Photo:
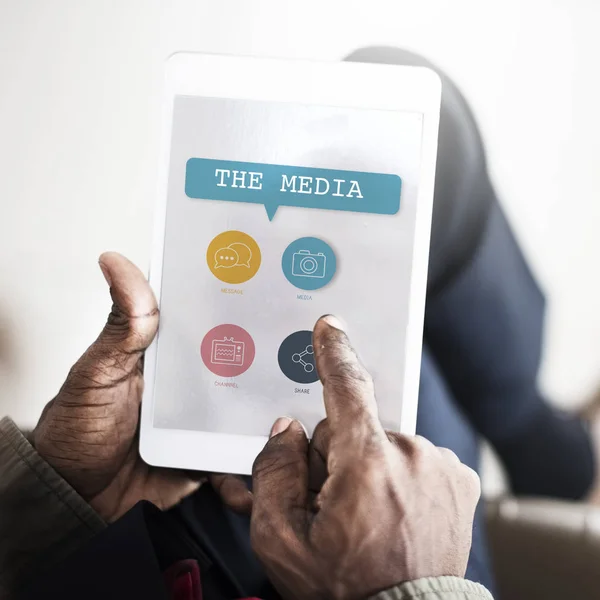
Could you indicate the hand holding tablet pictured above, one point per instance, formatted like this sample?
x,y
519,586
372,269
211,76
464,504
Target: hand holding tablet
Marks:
x,y
357,510
283,198
88,432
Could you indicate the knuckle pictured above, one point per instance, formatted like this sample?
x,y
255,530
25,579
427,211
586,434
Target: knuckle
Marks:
x,y
410,446
359,443
448,455
275,460
264,463
117,325
423,444
370,441
129,334
349,378
472,481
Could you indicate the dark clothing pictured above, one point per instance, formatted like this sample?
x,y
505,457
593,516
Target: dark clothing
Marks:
x,y
134,553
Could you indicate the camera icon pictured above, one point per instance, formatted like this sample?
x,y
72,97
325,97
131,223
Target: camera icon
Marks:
x,y
306,264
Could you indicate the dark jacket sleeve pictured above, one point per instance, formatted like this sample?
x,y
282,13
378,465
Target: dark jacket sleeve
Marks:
x,y
42,518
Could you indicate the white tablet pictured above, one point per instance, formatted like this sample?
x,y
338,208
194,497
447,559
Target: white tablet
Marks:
x,y
288,190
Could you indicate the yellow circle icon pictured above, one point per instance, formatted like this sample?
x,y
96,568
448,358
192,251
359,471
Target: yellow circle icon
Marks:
x,y
233,257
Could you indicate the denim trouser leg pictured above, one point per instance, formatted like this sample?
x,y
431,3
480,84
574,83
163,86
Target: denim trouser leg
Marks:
x,y
485,330
485,312
442,422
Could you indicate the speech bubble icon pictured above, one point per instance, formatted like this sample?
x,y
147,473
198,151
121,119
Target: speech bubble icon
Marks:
x,y
233,257
285,185
244,254
226,258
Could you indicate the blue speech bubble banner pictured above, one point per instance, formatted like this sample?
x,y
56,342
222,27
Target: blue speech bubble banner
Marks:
x,y
284,185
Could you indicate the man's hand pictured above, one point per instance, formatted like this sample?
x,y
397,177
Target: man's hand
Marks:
x,y
88,433
392,508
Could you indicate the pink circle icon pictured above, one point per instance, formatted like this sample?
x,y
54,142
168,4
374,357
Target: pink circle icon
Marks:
x,y
227,350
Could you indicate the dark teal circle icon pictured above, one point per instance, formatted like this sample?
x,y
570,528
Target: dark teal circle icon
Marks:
x,y
309,263
296,357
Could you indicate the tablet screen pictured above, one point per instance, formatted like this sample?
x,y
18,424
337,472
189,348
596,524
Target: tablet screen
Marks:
x,y
278,213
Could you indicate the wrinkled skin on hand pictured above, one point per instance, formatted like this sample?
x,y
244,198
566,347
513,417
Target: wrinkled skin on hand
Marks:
x,y
89,432
358,510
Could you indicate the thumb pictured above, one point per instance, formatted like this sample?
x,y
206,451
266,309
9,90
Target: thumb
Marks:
x,y
129,330
280,481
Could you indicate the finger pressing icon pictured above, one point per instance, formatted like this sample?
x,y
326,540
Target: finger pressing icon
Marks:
x,y
347,386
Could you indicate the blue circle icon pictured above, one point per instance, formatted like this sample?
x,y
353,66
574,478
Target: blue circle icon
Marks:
x,y
296,357
309,263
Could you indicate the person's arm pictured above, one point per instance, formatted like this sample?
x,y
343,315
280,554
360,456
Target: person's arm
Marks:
x,y
42,518
82,468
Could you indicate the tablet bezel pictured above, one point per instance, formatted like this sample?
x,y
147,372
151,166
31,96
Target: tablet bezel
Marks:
x,y
340,84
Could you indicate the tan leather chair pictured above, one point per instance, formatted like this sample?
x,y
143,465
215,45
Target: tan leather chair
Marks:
x,y
545,549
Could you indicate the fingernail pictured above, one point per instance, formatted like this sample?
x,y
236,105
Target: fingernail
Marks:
x,y
333,321
106,274
280,426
